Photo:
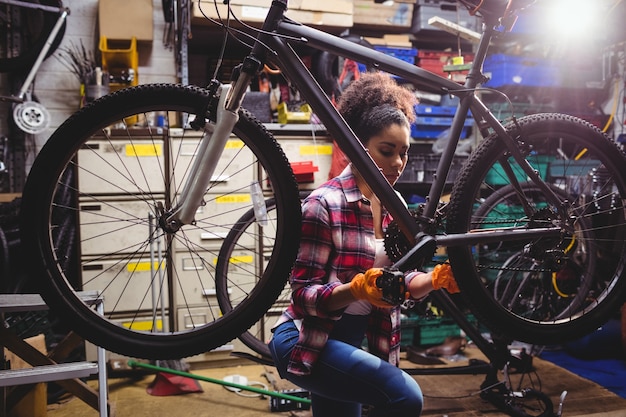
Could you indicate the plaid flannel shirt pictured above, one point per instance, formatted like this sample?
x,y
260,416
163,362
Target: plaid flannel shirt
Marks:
x,y
337,236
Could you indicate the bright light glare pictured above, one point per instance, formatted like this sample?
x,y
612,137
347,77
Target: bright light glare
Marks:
x,y
573,18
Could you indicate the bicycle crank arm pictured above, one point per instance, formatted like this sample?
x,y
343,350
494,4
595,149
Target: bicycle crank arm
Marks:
x,y
414,259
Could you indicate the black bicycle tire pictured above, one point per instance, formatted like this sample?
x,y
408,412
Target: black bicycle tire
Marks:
x,y
26,58
490,313
231,242
5,263
223,296
60,294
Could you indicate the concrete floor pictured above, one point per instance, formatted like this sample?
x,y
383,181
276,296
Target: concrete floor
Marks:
x,y
451,395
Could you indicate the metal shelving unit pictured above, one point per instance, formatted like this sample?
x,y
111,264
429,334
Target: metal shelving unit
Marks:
x,y
45,369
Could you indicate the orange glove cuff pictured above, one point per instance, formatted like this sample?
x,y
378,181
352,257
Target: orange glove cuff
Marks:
x,y
442,277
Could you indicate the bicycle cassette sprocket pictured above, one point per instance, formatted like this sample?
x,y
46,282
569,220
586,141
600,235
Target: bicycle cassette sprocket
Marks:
x,y
31,117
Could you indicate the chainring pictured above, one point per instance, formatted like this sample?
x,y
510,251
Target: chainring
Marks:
x,y
396,244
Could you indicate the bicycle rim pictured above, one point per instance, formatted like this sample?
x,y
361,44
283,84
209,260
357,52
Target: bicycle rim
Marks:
x,y
242,254
94,206
547,290
249,237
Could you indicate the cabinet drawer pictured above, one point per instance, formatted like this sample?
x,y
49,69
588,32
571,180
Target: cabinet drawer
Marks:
x,y
196,273
124,223
305,149
118,166
215,219
234,171
117,277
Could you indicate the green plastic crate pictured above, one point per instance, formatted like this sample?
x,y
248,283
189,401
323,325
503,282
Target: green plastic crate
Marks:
x,y
408,326
561,168
433,331
496,175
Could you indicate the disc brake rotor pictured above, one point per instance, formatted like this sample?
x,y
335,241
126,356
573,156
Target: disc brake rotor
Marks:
x,y
31,117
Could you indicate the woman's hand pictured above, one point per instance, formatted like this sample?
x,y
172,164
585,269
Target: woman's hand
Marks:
x,y
363,287
443,278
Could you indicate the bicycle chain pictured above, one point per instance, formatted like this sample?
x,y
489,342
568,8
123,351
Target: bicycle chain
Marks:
x,y
481,267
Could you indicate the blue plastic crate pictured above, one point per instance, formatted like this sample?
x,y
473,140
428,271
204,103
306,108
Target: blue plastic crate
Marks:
x,y
506,70
433,131
430,127
440,121
405,54
428,110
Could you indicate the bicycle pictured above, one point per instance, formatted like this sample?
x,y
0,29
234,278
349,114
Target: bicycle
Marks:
x,y
248,234
151,251
32,32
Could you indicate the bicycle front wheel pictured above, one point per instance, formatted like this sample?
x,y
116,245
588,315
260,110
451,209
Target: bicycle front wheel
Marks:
x,y
94,210
545,290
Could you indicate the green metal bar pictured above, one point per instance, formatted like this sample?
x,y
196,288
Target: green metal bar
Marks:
x,y
132,363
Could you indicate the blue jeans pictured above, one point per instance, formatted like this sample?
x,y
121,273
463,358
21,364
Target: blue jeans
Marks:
x,y
345,376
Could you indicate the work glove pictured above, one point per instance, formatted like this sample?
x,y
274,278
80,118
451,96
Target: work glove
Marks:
x,y
443,278
363,287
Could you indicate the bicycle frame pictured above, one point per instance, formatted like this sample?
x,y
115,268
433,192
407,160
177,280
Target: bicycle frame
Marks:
x,y
274,45
64,12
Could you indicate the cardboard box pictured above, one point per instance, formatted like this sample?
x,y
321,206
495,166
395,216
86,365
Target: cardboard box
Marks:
x,y
396,17
321,13
33,404
327,6
123,19
401,40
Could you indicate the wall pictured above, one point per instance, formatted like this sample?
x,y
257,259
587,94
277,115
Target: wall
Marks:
x,y
58,89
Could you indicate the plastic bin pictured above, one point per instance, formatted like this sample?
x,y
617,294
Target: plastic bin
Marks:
x,y
405,54
434,61
561,168
433,331
497,176
430,127
504,111
119,58
507,70
428,110
421,169
297,113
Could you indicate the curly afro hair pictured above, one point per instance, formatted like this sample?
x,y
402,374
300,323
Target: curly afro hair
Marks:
x,y
374,89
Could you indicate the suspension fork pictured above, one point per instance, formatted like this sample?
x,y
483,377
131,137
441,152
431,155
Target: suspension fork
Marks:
x,y
215,137
209,152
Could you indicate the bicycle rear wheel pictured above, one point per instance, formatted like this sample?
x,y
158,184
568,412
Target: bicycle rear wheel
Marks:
x,y
25,32
548,290
94,208
517,285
